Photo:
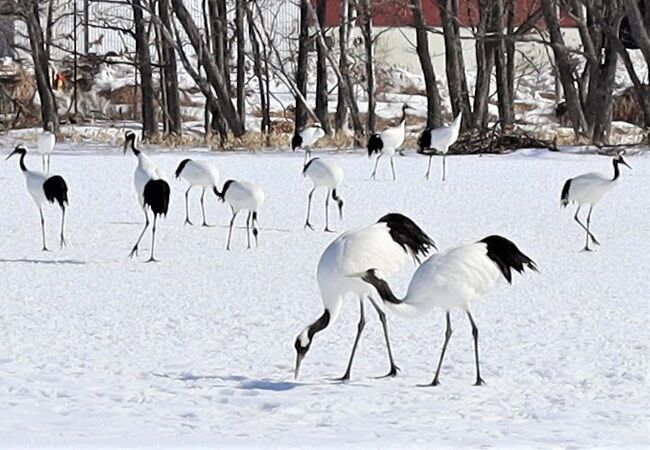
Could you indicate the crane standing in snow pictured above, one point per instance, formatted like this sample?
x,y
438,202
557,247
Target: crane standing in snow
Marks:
x,y
387,142
46,141
327,174
197,173
242,196
388,245
306,139
152,190
588,189
44,188
454,279
440,139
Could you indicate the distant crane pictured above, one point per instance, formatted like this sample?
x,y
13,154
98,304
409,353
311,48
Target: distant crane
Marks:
x,y
387,142
327,174
389,244
588,189
152,190
242,196
454,279
440,139
307,138
44,188
46,141
197,173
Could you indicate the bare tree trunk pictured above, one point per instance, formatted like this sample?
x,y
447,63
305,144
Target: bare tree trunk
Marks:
x,y
241,54
365,12
257,68
143,61
563,67
173,118
321,74
454,61
214,75
301,68
31,15
506,108
344,37
484,66
434,116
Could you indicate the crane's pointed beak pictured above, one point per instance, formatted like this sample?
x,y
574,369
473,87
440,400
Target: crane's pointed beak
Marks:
x,y
625,164
10,155
296,371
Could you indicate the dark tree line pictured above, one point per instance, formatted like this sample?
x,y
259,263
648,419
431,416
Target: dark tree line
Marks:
x,y
218,50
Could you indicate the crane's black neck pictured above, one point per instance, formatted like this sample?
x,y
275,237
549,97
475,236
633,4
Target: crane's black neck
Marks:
x,y
321,323
135,151
23,167
403,117
617,172
382,287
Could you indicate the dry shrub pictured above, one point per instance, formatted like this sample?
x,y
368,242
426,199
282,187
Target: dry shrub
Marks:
x,y
626,108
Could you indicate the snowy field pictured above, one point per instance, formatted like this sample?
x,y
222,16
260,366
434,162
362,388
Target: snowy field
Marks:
x,y
97,350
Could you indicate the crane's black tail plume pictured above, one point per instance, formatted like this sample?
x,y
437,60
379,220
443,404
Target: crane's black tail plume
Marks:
x,y
56,190
564,198
375,144
507,256
156,196
408,235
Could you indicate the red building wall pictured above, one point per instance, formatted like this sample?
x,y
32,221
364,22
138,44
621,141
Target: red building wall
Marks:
x,y
395,13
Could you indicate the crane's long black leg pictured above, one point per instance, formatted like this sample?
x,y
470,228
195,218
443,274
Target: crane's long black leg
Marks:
x,y
444,167
40,211
187,207
248,230
49,157
584,227
373,175
205,222
392,167
307,224
153,239
44,158
593,238
429,167
134,250
256,231
360,326
327,212
63,242
479,380
448,332
232,222
382,318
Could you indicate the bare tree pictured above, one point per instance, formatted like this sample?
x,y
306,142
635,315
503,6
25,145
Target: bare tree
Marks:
x,y
143,62
301,67
321,74
241,58
173,121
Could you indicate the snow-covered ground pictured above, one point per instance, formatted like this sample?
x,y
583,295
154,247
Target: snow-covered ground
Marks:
x,y
98,350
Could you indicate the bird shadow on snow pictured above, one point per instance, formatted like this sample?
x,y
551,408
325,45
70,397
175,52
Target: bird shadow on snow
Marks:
x,y
75,262
243,382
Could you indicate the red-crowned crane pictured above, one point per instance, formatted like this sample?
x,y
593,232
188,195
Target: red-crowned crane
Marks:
x,y
387,142
46,141
388,244
440,139
307,138
242,196
197,173
588,189
328,174
152,190
454,279
44,188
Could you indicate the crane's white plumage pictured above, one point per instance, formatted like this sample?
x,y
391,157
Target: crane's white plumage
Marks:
x,y
389,245
387,142
307,138
44,188
440,139
197,173
328,174
46,141
454,279
152,189
242,196
588,189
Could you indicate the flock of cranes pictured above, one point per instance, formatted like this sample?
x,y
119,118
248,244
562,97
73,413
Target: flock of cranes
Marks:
x,y
357,261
